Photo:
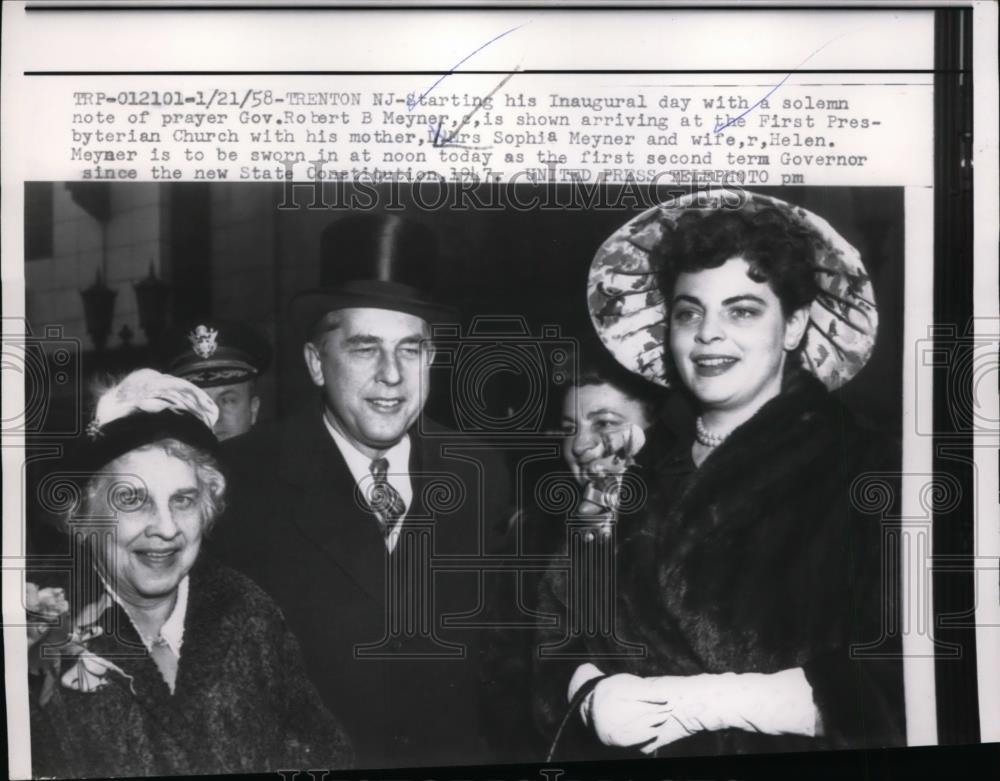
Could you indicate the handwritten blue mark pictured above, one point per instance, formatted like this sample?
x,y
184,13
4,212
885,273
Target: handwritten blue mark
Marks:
x,y
723,125
433,131
413,103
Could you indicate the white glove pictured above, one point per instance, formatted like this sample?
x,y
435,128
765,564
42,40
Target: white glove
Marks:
x,y
626,710
581,675
772,704
622,719
623,711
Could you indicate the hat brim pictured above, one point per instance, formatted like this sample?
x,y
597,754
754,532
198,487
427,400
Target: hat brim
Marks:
x,y
122,435
214,375
309,306
628,309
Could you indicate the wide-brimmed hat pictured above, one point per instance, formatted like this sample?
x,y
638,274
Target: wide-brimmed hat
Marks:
x,y
210,353
629,310
378,261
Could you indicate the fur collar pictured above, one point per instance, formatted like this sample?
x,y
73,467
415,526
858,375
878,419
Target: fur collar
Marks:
x,y
752,552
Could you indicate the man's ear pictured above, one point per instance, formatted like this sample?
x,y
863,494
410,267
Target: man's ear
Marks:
x,y
795,327
314,364
254,409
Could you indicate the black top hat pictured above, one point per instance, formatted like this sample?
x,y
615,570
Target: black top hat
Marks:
x,y
378,261
215,352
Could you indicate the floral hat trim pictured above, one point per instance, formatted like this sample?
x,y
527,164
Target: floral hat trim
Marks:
x,y
629,311
146,406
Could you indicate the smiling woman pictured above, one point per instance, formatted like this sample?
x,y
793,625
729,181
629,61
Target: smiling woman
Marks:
x,y
160,523
153,664
751,576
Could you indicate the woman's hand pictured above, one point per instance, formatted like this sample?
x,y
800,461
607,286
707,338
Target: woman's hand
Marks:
x,y
651,712
623,710
773,704
600,468
627,710
613,454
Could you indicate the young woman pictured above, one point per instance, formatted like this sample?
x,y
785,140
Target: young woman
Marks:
x,y
752,576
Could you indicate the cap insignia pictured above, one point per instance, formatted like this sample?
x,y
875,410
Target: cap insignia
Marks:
x,y
203,341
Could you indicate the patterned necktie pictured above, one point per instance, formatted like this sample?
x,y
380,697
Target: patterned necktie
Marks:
x,y
384,500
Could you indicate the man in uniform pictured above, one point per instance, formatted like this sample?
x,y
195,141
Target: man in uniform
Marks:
x,y
339,510
225,359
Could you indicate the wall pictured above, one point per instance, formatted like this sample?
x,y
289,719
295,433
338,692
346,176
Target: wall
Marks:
x,y
134,240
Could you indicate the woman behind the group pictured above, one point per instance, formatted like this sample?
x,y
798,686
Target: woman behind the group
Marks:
x,y
158,661
602,416
751,576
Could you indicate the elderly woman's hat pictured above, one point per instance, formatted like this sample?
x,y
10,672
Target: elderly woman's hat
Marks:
x,y
628,308
146,407
378,261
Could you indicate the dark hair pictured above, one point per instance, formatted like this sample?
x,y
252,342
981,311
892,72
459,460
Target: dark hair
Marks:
x,y
778,251
597,367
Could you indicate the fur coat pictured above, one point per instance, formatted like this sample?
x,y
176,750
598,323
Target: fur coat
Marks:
x,y
242,703
766,557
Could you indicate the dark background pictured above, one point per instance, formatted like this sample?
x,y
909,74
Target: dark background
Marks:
x,y
229,251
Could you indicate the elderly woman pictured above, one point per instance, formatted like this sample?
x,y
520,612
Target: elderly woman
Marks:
x,y
159,661
751,576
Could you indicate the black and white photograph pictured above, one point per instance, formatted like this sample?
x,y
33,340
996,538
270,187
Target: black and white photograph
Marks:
x,y
375,470
569,452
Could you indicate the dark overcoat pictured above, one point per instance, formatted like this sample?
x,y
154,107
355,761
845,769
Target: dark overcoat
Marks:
x,y
777,552
241,704
391,641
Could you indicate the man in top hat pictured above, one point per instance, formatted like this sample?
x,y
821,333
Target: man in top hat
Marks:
x,y
225,360
337,510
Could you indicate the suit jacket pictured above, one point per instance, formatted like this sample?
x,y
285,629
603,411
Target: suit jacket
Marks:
x,y
378,631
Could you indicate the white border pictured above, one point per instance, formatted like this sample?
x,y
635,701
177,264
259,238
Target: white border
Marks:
x,y
987,308
916,537
43,41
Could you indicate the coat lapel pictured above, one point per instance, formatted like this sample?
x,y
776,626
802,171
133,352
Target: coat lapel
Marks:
x,y
326,508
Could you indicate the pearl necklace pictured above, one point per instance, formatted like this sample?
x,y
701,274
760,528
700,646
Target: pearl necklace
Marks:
x,y
706,437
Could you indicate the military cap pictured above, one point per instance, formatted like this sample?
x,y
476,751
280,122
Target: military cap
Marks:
x,y
215,352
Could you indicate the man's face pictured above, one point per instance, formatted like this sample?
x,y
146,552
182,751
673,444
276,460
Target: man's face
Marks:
x,y
238,406
374,369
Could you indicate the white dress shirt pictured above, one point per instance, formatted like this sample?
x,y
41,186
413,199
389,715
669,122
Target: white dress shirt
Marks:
x,y
397,475
172,631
